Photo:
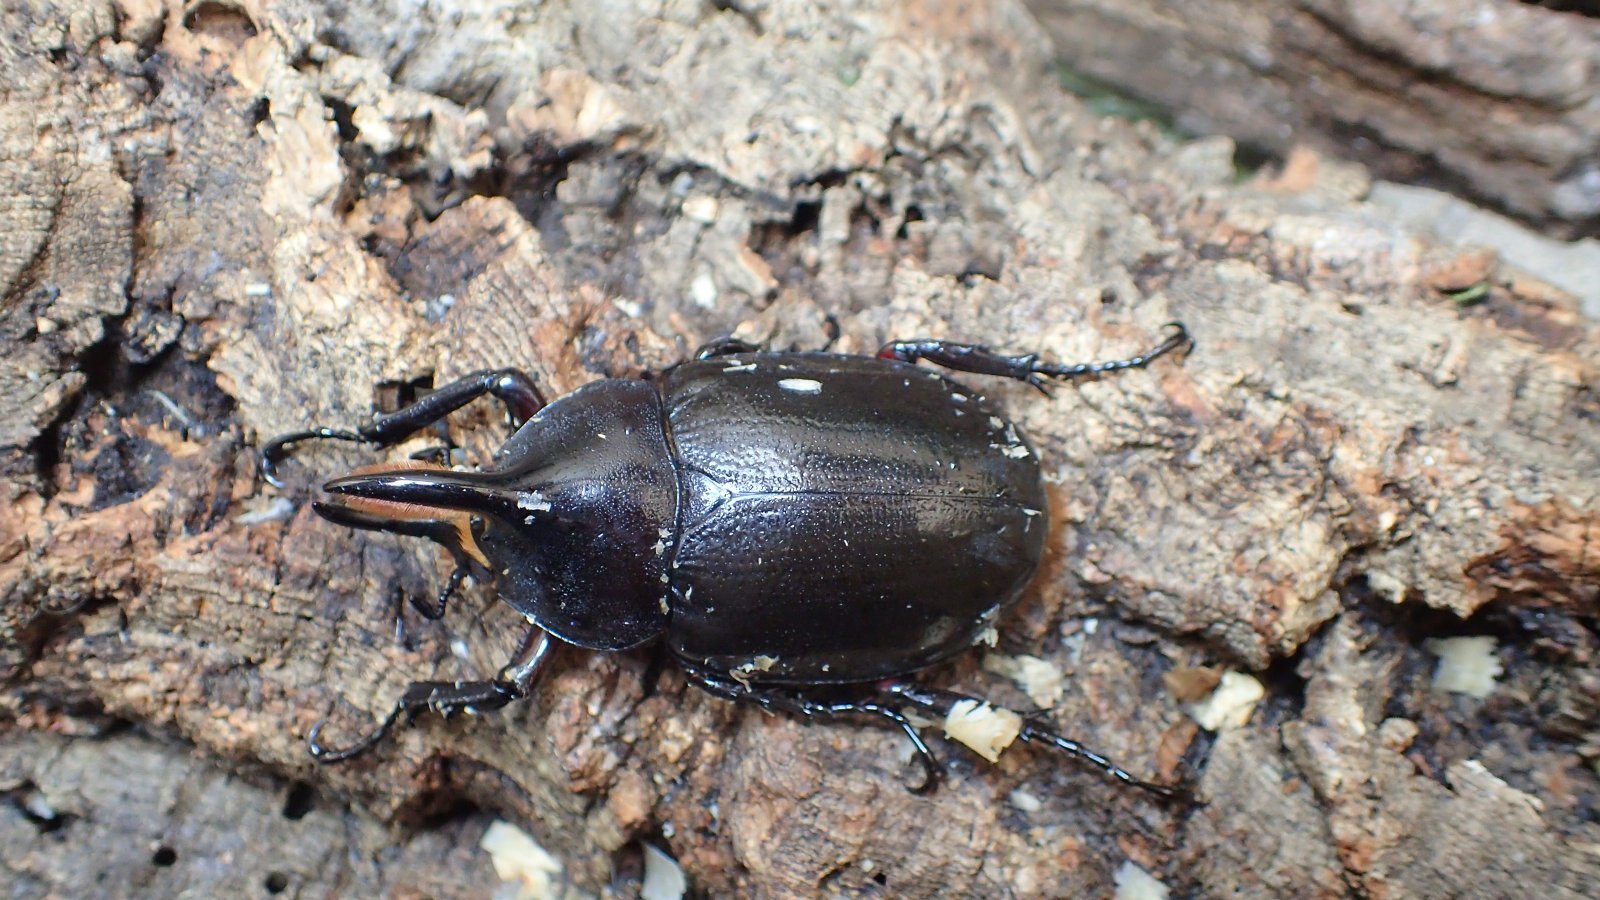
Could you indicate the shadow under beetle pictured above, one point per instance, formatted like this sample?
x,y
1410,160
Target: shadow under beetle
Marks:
x,y
793,525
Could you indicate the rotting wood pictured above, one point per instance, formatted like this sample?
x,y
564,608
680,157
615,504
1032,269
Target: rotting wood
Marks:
x,y
1494,100
263,226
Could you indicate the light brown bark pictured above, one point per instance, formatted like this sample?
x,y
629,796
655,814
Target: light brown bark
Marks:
x,y
1498,100
233,220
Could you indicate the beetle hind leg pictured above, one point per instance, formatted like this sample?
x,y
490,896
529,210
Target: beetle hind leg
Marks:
x,y
980,360
797,704
448,698
513,387
725,346
940,703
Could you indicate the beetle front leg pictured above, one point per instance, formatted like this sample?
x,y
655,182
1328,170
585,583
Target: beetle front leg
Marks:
x,y
940,703
448,698
445,532
513,387
981,360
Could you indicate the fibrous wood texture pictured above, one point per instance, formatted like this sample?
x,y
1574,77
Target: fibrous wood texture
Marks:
x,y
228,220
1499,100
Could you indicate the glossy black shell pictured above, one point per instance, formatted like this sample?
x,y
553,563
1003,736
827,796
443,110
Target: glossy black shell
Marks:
x,y
841,518
789,518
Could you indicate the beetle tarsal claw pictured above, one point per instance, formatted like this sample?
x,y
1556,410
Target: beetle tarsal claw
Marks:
x,y
932,774
277,449
1180,334
325,754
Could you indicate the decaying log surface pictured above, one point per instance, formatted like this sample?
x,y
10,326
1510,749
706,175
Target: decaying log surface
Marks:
x,y
122,815
230,219
1496,99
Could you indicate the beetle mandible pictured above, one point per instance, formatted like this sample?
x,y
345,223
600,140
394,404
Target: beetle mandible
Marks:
x,y
803,530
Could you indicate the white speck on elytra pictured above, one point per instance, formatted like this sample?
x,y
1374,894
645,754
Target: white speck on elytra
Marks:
x,y
996,423
801,385
533,501
959,398
747,367
1016,449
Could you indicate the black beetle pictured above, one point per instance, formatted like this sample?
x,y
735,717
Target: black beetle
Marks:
x,y
794,525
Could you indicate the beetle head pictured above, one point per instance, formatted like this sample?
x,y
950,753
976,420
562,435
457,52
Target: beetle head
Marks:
x,y
576,564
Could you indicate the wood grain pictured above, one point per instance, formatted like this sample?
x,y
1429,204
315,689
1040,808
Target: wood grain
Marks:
x,y
244,217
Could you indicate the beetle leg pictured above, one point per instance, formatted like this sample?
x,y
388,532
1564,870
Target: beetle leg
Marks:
x,y
830,325
520,395
941,702
447,698
440,455
436,611
932,769
981,360
777,700
445,532
725,346
274,451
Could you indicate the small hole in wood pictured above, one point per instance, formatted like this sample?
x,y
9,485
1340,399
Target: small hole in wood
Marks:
x,y
301,799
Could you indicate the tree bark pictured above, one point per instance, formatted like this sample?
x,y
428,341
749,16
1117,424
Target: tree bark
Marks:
x,y
236,219
1495,100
